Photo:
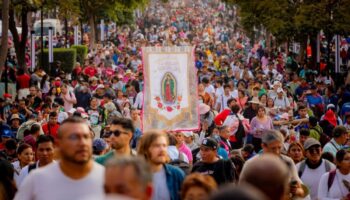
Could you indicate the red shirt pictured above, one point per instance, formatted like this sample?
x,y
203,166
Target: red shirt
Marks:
x,y
53,130
23,81
220,118
90,71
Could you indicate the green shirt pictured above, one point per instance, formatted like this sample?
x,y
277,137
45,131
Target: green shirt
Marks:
x,y
103,159
316,132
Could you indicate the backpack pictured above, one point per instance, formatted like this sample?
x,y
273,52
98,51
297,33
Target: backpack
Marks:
x,y
303,165
331,178
324,139
180,163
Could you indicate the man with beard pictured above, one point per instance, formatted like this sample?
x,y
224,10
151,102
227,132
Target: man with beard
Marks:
x,y
75,176
167,179
121,132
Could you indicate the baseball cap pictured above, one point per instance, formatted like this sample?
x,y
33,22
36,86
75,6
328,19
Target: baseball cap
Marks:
x,y
211,143
311,142
280,90
99,144
330,106
187,133
6,133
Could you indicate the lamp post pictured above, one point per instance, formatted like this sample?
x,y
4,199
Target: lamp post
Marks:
x,y
32,50
42,34
50,49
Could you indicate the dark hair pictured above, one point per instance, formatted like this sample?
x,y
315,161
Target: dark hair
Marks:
x,y
125,123
172,140
53,114
339,131
230,100
34,128
235,109
44,138
23,147
6,180
313,121
219,81
328,156
205,80
226,86
248,148
46,105
238,162
301,107
304,132
11,144
341,155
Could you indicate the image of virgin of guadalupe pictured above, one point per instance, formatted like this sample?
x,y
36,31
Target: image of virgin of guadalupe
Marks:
x,y
169,88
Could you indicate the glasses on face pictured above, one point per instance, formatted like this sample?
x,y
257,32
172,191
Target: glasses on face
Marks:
x,y
117,132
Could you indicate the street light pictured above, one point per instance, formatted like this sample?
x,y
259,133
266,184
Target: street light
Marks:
x,y
42,33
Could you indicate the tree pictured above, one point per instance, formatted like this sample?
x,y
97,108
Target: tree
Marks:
x,y
5,28
23,7
296,20
115,10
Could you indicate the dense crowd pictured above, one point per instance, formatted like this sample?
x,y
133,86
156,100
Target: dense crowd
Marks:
x,y
270,127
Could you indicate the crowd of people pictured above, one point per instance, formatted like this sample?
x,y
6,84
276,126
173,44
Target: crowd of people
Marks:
x,y
270,127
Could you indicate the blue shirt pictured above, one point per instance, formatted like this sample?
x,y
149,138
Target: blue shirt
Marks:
x,y
314,100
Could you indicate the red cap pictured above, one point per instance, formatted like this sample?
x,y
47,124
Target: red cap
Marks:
x,y
7,95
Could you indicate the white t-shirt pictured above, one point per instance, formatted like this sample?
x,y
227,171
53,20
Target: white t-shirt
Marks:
x,y
49,182
337,190
311,177
210,89
223,101
234,93
281,103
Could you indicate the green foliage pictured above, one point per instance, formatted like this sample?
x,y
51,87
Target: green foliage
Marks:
x,y
82,52
295,19
120,11
67,57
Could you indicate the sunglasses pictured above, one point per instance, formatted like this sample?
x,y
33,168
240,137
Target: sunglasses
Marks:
x,y
117,132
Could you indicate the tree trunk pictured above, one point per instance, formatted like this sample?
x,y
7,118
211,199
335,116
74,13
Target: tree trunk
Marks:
x,y
66,32
4,37
302,52
313,43
19,43
92,32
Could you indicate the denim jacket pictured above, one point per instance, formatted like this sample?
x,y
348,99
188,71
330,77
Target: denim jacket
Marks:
x,y
174,179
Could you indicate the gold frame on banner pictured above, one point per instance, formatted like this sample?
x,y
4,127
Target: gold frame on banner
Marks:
x,y
188,119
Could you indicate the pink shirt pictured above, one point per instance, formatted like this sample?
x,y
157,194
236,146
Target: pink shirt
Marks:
x,y
187,151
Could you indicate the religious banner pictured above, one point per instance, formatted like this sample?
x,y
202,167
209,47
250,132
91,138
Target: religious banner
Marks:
x,y
170,89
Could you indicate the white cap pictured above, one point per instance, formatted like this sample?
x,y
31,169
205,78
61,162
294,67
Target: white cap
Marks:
x,y
280,90
187,133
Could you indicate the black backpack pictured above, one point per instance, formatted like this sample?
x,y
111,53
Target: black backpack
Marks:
x,y
180,163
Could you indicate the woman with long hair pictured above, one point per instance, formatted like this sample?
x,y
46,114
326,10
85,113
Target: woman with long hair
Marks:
x,y
25,156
